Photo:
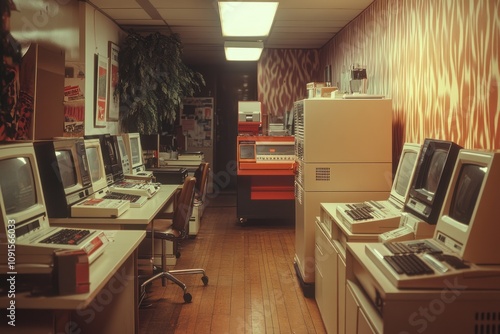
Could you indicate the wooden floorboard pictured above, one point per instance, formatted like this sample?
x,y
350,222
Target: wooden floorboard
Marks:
x,y
252,284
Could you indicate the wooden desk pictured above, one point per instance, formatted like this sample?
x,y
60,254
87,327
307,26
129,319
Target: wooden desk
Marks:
x,y
111,305
132,219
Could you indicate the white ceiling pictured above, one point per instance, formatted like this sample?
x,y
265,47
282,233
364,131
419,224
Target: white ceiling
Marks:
x,y
299,24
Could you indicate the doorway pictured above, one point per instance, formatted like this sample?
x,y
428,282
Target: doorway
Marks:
x,y
236,82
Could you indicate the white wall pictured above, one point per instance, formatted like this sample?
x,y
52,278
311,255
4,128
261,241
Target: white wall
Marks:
x,y
77,28
99,30
52,23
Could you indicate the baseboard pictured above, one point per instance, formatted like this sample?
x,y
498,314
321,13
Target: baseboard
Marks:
x,y
307,288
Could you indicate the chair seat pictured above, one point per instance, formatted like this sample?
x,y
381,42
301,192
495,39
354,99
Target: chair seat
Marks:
x,y
169,234
162,229
161,224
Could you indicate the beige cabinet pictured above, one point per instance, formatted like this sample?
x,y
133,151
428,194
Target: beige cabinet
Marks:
x,y
47,65
343,150
326,286
329,231
356,319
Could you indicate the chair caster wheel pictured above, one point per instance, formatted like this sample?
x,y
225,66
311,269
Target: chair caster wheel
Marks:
x,y
188,297
204,279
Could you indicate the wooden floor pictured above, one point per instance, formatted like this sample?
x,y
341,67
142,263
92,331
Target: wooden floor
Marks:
x,y
252,283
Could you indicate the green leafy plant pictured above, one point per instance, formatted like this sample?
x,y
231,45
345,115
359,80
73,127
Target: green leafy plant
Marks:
x,y
153,80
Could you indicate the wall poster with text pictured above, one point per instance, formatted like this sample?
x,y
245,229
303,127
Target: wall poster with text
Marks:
x,y
101,90
114,98
197,121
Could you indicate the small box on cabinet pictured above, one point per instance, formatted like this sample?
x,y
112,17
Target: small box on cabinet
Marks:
x,y
312,87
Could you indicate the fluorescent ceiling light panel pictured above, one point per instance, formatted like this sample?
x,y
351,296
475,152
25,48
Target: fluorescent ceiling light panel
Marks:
x,y
250,19
243,51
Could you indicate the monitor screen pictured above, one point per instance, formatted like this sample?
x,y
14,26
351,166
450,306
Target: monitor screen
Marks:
x,y
434,171
67,168
94,165
405,173
135,151
110,149
121,146
430,182
123,154
466,192
95,159
17,184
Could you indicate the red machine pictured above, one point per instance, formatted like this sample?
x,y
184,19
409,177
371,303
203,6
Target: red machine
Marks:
x,y
266,169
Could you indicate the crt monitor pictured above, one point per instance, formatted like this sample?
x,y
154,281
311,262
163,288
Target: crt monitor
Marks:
x,y
134,150
110,156
21,197
73,165
468,223
404,173
114,152
64,173
96,165
430,182
123,154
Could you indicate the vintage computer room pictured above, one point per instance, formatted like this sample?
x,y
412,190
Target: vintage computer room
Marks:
x,y
321,166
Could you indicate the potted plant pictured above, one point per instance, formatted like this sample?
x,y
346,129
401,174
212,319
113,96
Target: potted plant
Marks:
x,y
153,80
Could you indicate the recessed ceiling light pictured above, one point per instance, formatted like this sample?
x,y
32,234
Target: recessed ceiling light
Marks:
x,y
243,51
250,19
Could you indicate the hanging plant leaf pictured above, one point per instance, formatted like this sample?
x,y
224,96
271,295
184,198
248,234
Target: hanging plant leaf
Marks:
x,y
153,80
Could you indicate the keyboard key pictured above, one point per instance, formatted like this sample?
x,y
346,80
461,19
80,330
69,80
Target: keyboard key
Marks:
x,y
452,260
67,237
409,264
128,197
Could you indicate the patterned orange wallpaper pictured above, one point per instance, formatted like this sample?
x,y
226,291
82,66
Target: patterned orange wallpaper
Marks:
x,y
439,62
282,75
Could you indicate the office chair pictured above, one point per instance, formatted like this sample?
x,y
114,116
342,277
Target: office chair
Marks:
x,y
175,230
201,175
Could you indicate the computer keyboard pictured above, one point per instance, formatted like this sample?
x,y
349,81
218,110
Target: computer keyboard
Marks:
x,y
128,197
67,237
418,246
148,189
359,211
136,200
409,264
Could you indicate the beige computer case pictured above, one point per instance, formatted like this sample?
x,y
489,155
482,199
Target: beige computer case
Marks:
x,y
344,154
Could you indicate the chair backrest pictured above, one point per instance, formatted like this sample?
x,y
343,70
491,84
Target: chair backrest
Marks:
x,y
184,207
201,175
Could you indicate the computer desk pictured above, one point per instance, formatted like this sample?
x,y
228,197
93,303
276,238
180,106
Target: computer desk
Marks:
x,y
374,305
132,219
111,305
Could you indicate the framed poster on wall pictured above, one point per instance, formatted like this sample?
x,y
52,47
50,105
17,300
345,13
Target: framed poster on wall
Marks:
x,y
101,94
114,98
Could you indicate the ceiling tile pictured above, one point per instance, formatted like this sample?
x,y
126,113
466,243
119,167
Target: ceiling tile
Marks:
x,y
298,24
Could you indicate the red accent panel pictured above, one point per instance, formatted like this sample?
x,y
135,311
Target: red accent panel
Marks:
x,y
249,127
271,193
272,188
262,168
